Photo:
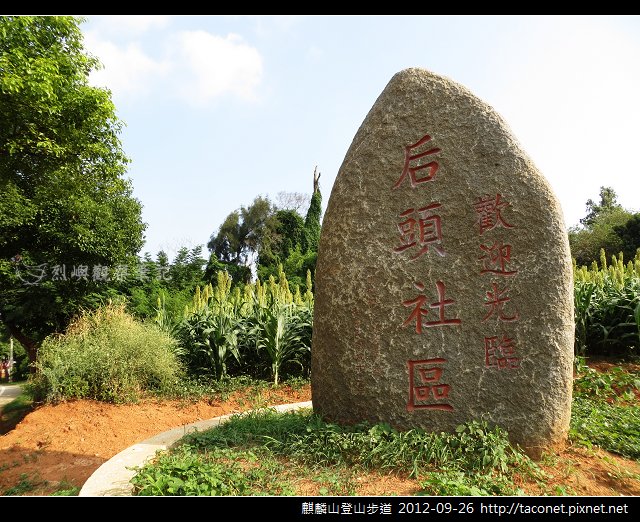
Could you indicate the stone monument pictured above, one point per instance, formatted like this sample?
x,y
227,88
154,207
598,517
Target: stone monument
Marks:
x,y
444,288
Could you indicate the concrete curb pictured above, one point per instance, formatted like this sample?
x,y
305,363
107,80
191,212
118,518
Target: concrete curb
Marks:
x,y
112,478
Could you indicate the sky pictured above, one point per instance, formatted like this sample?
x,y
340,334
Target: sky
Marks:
x,y
221,109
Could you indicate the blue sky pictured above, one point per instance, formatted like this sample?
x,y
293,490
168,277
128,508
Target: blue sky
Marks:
x,y
220,109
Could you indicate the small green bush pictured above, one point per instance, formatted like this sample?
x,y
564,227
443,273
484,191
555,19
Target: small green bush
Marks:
x,y
106,355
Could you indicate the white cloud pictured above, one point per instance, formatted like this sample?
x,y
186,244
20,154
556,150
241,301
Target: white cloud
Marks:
x,y
217,66
126,69
196,66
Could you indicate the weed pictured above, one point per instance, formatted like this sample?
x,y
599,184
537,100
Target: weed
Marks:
x,y
479,458
563,491
475,460
203,388
66,489
215,472
458,483
605,412
612,427
30,457
613,384
26,485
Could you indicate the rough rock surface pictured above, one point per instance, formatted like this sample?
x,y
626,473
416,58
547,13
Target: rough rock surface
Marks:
x,y
444,282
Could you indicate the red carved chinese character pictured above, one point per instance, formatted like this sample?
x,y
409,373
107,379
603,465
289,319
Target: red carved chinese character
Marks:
x,y
412,168
489,212
424,231
419,312
496,300
500,353
496,258
425,389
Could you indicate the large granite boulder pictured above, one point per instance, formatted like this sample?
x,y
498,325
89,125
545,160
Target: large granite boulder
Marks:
x,y
444,282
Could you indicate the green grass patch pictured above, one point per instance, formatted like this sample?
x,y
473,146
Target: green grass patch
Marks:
x,y
612,427
202,388
26,485
219,471
605,410
301,446
265,452
22,402
15,411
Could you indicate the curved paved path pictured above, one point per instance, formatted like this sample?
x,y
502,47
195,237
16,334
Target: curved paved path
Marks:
x,y
112,478
8,392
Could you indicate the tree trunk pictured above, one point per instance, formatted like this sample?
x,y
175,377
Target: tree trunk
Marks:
x,y
29,344
316,180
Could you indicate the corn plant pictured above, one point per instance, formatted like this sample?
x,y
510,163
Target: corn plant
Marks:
x,y
261,327
163,319
213,339
607,307
279,332
281,325
210,329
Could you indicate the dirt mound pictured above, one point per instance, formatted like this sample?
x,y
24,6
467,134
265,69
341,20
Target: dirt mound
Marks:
x,y
59,447
62,445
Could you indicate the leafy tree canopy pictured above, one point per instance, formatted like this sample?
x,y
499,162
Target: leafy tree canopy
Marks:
x,y
604,227
241,234
270,236
629,235
63,197
608,203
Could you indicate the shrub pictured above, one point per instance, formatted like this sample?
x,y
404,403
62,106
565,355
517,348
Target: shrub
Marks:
x,y
106,355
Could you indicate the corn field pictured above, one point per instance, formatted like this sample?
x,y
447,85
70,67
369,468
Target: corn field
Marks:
x,y
263,330
607,307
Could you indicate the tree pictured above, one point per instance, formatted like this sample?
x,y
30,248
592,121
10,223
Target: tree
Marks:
x,y
186,271
270,237
293,243
314,214
284,247
63,198
608,203
239,273
599,229
285,234
240,237
293,201
629,235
